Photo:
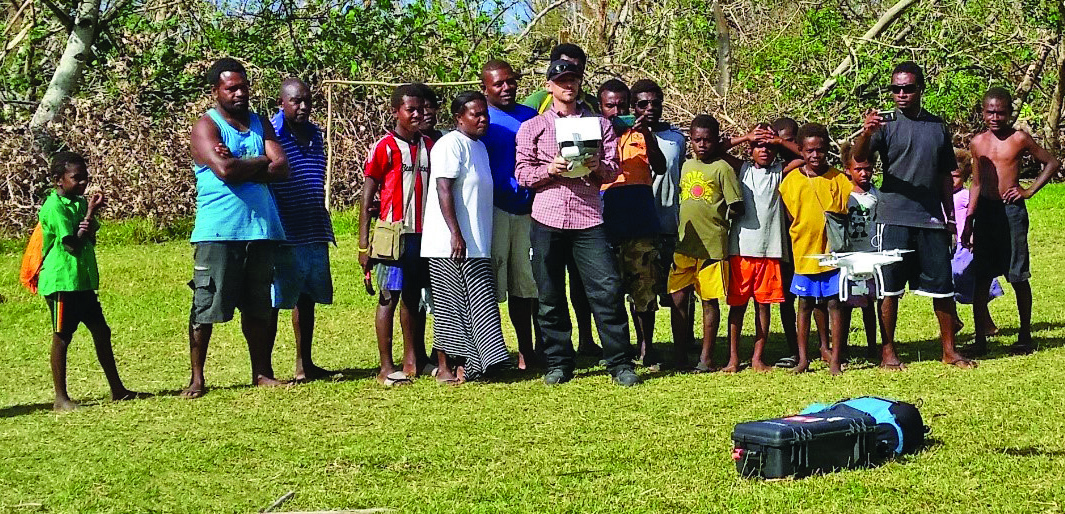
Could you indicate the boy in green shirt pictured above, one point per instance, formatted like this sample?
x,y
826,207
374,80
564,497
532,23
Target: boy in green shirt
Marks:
x,y
69,277
710,196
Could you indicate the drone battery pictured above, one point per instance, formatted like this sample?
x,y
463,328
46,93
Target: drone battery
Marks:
x,y
803,445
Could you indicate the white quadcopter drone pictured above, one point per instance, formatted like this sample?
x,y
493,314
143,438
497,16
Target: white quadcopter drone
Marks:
x,y
859,267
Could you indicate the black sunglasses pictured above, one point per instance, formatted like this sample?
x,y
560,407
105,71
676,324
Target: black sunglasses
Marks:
x,y
903,88
642,104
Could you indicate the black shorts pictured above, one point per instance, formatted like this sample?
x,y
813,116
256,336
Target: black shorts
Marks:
x,y
926,268
1000,239
71,308
232,274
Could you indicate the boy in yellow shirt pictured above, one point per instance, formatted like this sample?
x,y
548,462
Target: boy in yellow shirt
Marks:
x,y
815,189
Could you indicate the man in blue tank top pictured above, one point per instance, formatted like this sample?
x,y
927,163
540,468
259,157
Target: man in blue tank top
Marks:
x,y
235,155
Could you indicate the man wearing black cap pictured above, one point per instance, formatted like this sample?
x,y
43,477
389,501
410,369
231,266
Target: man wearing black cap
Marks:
x,y
541,99
567,215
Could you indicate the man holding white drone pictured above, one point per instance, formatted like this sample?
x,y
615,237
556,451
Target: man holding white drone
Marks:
x,y
567,215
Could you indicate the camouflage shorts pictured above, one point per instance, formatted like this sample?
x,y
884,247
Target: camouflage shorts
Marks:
x,y
637,262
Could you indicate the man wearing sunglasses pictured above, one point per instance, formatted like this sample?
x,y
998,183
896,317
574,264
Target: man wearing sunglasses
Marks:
x,y
630,216
916,209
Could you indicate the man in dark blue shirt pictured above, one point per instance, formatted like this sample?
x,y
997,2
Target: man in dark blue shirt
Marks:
x,y
301,264
513,204
916,208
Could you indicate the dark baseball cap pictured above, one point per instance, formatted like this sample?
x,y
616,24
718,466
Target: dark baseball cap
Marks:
x,y
562,67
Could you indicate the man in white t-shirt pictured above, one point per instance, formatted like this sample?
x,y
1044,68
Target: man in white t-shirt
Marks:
x,y
457,241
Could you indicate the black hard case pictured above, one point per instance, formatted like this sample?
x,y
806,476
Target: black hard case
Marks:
x,y
803,445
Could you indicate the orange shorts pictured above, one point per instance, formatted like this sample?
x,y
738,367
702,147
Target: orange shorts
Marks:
x,y
754,277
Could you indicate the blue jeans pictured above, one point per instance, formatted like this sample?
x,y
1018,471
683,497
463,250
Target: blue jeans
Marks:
x,y
590,251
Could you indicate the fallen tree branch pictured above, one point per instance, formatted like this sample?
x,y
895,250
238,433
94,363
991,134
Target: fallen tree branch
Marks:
x,y
284,498
1031,75
14,17
63,16
885,19
532,23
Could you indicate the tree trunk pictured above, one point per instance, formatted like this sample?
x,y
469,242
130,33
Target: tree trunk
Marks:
x,y
1053,133
724,50
68,72
1032,74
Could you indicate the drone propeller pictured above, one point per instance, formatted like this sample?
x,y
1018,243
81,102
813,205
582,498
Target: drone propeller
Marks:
x,y
829,255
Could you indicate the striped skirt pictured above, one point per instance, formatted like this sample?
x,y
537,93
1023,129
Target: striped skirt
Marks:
x,y
466,320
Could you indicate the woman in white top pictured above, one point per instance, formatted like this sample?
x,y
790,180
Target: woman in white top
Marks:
x,y
457,240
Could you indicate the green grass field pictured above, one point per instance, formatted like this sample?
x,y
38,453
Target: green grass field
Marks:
x,y
588,446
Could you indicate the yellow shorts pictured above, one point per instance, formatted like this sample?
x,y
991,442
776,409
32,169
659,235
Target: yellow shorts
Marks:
x,y
709,277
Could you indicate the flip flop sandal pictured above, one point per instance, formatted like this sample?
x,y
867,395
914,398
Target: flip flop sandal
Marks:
x,y
430,369
787,362
702,368
395,379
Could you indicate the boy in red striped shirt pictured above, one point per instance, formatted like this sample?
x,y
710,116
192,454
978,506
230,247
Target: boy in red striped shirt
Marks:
x,y
398,167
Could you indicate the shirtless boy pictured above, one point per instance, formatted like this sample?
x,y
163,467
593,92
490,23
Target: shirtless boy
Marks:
x,y
998,219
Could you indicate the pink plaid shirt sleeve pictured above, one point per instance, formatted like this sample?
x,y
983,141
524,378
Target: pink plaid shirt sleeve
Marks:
x,y
563,203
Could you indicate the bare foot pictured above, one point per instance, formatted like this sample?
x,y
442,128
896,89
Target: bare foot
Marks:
x,y
63,405
312,372
126,394
835,368
992,329
263,381
1023,346
760,366
194,390
958,361
801,367
731,367
446,376
826,355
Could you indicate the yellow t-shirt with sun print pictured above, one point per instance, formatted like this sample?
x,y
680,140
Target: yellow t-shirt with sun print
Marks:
x,y
706,191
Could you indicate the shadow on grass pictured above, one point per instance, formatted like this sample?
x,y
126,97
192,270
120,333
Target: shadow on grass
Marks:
x,y
998,345
1030,451
21,410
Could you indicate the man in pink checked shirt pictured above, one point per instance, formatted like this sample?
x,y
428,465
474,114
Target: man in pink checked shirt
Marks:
x,y
567,218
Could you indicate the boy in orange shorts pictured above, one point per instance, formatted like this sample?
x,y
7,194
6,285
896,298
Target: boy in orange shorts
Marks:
x,y
757,244
709,195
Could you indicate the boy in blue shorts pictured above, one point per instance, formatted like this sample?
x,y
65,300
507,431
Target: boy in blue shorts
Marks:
x,y
69,277
808,194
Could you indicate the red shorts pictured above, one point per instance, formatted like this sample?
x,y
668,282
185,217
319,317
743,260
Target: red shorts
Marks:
x,y
754,277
